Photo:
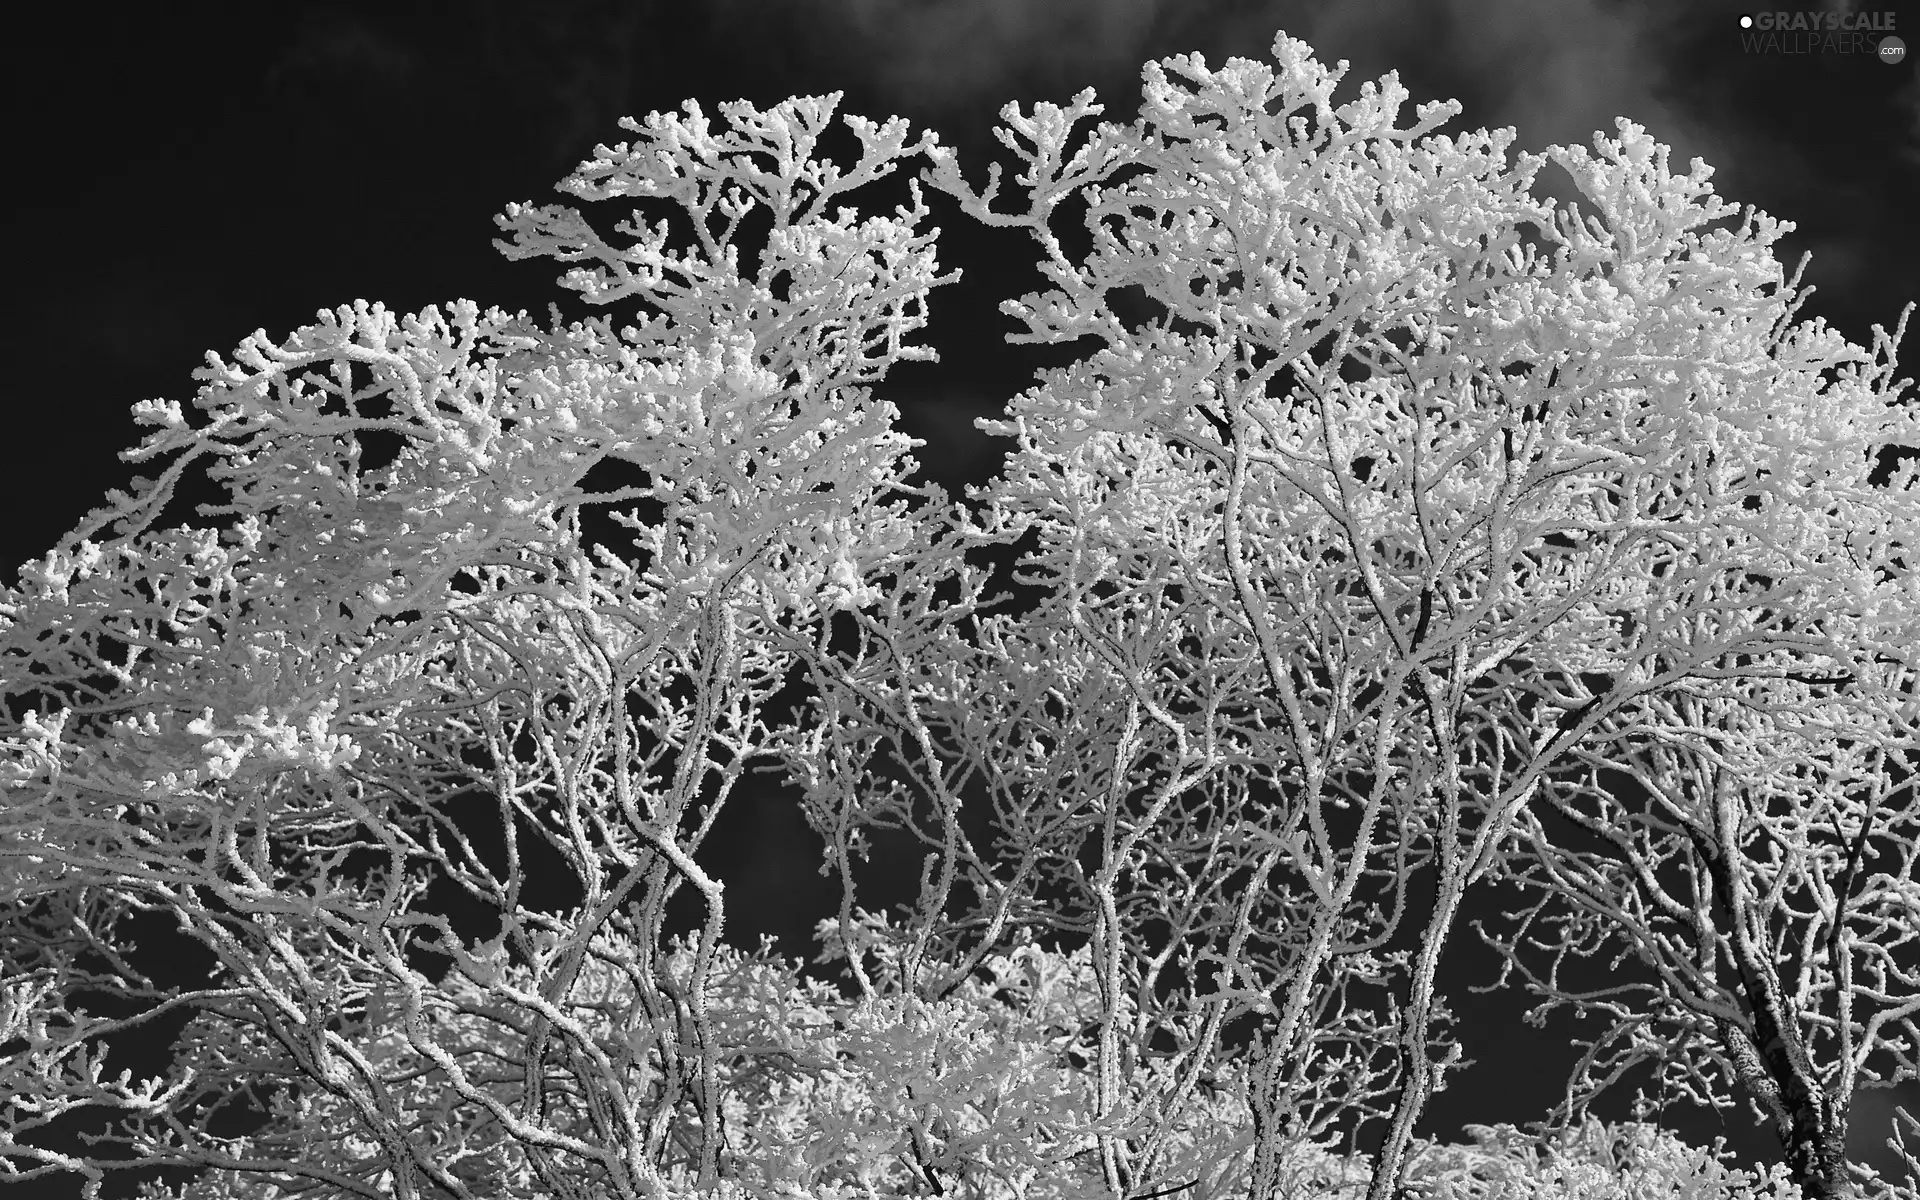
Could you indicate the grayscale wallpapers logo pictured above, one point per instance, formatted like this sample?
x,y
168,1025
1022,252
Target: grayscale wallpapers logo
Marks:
x,y
1870,33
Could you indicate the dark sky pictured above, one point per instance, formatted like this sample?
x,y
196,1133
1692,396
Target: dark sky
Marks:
x,y
185,175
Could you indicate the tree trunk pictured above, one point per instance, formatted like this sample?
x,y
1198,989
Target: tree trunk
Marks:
x,y
1772,1062
1417,1069
1816,1147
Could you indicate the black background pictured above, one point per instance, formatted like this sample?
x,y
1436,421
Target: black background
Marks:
x,y
183,175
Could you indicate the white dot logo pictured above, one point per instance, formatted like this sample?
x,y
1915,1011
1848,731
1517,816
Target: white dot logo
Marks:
x,y
1746,22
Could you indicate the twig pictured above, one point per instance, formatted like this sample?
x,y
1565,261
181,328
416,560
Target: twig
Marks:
x,y
1178,1187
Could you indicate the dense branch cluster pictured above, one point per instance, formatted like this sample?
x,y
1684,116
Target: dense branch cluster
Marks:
x,y
1393,520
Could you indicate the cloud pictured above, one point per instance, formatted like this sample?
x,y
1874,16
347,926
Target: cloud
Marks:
x,y
336,49
942,415
574,62
1556,72
1906,102
953,53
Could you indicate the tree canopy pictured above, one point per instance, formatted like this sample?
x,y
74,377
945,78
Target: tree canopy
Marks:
x,y
1389,517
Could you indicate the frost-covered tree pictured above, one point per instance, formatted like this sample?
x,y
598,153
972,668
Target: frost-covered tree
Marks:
x,y
1387,485
1767,879
1391,503
265,731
